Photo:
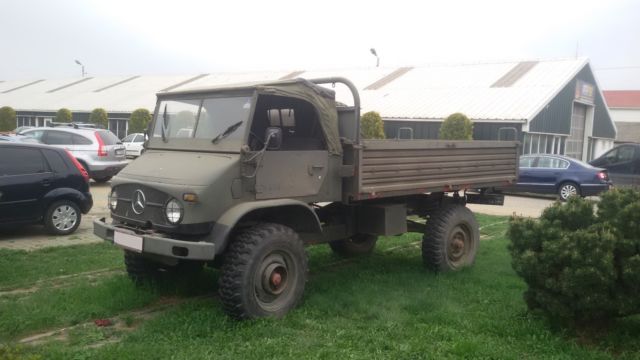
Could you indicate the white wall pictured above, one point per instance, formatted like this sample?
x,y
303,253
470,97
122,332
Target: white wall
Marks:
x,y
625,115
600,146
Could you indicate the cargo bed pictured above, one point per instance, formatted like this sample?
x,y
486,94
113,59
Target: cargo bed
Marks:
x,y
386,168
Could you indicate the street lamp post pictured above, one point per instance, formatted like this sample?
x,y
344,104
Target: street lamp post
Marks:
x,y
79,63
373,51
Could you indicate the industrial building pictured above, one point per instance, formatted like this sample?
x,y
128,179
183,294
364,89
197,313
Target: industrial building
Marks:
x,y
553,106
624,106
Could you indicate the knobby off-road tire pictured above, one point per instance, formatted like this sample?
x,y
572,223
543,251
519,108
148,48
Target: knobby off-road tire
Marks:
x,y
359,244
264,272
142,270
451,239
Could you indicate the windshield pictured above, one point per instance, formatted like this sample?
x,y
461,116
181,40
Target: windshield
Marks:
x,y
201,118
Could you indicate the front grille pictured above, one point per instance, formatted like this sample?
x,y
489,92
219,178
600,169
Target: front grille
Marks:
x,y
154,204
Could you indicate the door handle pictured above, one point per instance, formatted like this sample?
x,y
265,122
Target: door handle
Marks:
x,y
312,169
46,182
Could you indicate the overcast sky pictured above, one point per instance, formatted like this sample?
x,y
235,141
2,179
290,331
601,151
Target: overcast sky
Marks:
x,y
41,39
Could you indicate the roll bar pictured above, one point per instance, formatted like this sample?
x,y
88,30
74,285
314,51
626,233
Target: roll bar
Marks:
x,y
354,93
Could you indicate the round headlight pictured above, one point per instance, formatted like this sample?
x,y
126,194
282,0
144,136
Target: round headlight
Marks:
x,y
113,200
173,211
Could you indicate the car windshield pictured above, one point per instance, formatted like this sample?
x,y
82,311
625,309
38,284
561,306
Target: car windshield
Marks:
x,y
201,118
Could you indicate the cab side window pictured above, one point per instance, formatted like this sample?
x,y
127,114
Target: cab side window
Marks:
x,y
298,119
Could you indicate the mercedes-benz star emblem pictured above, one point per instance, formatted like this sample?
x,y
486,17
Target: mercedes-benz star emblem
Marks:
x,y
139,202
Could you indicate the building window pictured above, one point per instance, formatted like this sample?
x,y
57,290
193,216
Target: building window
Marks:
x,y
541,144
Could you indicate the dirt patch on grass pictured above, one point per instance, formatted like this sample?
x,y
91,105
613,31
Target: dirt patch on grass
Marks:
x,y
60,281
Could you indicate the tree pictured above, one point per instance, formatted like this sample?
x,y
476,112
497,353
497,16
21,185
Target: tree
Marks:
x,y
99,117
64,115
581,266
7,118
456,126
139,120
371,126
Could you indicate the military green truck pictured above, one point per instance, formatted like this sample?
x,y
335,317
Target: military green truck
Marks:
x,y
243,177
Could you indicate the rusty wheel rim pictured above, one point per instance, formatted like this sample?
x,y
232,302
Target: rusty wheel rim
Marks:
x,y
274,280
458,245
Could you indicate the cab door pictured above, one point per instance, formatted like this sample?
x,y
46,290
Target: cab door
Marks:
x,y
298,167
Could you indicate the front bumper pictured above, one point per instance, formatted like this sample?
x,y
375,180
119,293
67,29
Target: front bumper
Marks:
x,y
157,245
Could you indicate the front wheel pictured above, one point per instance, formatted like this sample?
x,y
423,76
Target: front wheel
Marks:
x,y
62,217
264,272
451,239
567,190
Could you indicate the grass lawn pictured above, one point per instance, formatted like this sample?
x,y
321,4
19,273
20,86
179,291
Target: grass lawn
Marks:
x,y
381,306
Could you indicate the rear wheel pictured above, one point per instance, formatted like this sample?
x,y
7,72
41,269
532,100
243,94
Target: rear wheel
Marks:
x,y
359,244
567,190
102,179
451,239
62,217
264,272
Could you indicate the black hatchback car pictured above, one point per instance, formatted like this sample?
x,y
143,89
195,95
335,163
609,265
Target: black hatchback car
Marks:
x,y
42,184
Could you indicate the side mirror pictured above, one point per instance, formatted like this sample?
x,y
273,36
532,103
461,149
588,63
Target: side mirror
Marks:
x,y
273,138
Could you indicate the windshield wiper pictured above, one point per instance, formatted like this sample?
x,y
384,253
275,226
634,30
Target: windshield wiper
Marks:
x,y
163,127
227,132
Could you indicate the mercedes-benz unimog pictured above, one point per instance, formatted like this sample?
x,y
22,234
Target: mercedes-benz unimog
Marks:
x,y
244,177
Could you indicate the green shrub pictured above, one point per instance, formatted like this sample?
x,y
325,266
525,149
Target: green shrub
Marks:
x,y
456,126
7,118
64,115
371,126
581,267
139,120
99,117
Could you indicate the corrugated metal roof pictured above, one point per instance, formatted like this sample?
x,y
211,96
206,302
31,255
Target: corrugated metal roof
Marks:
x,y
425,92
622,99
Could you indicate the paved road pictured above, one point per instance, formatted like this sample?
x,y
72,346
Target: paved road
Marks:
x,y
34,237
519,205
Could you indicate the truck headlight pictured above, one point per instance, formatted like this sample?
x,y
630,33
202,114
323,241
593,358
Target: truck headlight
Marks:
x,y
173,211
113,200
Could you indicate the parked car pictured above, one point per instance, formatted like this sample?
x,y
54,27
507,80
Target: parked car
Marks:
x,y
18,138
99,151
623,164
133,144
20,129
556,174
42,184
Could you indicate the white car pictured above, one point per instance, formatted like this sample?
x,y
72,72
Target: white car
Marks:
x,y
133,144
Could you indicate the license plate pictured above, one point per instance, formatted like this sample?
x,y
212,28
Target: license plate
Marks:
x,y
131,242
119,151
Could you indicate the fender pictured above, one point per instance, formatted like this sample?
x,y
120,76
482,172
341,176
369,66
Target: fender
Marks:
x,y
303,218
65,193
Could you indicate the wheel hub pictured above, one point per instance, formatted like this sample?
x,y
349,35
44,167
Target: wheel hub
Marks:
x,y
274,278
457,244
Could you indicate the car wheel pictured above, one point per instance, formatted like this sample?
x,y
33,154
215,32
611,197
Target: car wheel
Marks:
x,y
264,272
451,239
567,190
102,179
62,217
